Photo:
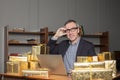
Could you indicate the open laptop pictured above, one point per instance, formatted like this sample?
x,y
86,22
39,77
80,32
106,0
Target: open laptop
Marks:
x,y
53,62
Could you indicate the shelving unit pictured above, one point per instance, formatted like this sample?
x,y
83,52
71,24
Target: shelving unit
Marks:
x,y
104,40
43,35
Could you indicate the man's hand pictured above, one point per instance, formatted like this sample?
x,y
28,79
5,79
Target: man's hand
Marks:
x,y
60,32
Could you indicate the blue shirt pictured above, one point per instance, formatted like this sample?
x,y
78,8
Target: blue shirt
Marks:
x,y
70,56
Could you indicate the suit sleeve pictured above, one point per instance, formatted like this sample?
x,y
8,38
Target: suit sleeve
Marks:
x,y
53,48
91,50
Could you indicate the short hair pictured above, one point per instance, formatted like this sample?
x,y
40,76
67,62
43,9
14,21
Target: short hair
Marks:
x,y
71,20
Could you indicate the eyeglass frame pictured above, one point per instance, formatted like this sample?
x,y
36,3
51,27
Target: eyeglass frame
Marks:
x,y
71,30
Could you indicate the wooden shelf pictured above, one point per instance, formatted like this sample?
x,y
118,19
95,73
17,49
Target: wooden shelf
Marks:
x,y
22,44
29,33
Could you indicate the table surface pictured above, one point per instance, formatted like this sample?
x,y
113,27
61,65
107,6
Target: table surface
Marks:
x,y
51,77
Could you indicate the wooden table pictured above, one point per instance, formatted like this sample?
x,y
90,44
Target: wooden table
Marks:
x,y
6,76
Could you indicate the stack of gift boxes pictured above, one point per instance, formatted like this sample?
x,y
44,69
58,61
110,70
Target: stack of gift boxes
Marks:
x,y
100,67
28,64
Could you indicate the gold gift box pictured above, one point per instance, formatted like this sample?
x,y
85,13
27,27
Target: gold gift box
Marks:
x,y
33,65
23,66
92,74
104,56
17,58
16,67
111,64
42,73
44,49
13,67
36,50
88,65
87,58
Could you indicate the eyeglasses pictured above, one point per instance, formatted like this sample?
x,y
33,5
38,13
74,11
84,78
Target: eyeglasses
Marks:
x,y
71,30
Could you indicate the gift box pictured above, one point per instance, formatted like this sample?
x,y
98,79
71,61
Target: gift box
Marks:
x,y
23,66
36,50
42,73
92,74
13,67
88,65
111,64
33,65
16,67
104,56
86,58
17,58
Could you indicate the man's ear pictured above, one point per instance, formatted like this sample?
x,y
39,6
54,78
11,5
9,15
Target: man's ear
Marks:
x,y
79,30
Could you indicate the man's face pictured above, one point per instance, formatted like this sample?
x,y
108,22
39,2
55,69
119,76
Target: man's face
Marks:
x,y
72,31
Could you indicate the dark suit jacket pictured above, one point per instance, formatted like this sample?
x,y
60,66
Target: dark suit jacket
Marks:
x,y
85,48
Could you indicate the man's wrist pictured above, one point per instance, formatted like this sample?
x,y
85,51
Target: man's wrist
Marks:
x,y
54,38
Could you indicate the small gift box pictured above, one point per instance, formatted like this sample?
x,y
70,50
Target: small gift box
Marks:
x,y
13,67
42,73
16,67
111,64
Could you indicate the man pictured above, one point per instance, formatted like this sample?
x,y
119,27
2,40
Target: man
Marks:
x,y
73,47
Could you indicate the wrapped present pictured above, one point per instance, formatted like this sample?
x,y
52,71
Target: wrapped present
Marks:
x,y
33,57
44,49
17,58
111,64
88,65
86,58
33,65
23,66
16,67
101,57
13,67
92,74
42,73
36,50
104,56
107,55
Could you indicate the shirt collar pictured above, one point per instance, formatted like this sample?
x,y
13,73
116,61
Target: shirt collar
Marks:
x,y
78,40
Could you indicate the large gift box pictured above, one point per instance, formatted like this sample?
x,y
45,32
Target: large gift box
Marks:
x,y
92,74
104,70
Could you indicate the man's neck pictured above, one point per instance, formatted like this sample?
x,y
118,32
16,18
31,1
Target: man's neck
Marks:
x,y
75,41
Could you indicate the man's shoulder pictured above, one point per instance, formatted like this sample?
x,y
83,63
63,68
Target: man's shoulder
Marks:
x,y
64,41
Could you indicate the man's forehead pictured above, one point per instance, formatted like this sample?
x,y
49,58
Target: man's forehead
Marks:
x,y
70,25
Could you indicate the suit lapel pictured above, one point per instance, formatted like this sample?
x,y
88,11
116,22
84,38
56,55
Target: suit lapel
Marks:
x,y
65,47
79,50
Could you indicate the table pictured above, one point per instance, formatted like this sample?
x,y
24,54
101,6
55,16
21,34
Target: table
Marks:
x,y
5,76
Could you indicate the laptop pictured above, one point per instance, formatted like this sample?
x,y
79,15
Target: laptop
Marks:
x,y
53,62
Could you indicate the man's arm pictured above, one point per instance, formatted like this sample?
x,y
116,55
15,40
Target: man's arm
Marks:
x,y
53,49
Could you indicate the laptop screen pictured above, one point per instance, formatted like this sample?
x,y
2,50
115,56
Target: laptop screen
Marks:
x,y
53,62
